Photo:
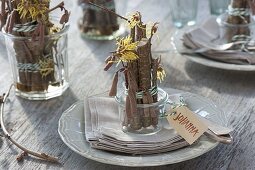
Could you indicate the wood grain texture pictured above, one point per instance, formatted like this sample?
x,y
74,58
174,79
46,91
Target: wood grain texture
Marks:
x,y
35,123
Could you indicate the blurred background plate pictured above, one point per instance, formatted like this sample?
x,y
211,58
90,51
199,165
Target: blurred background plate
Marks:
x,y
197,58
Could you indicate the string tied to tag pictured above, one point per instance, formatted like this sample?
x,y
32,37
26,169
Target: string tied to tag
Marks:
x,y
173,107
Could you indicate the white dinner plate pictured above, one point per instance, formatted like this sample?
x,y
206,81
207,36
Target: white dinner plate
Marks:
x,y
72,132
197,58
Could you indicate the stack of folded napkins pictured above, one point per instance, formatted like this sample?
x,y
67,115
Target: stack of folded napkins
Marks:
x,y
206,35
103,131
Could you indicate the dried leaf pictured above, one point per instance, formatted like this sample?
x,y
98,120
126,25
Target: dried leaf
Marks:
x,y
126,49
113,90
109,58
65,17
161,74
134,19
128,107
109,62
11,23
32,9
108,65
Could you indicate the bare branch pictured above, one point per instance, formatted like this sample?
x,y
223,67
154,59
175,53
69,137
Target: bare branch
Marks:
x,y
60,5
8,136
107,10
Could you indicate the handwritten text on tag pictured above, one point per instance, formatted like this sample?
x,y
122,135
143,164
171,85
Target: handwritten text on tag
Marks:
x,y
187,124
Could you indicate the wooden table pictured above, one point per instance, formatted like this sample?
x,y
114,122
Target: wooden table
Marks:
x,y
35,123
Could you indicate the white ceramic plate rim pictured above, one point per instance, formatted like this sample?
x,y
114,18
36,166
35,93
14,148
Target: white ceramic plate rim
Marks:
x,y
108,157
197,58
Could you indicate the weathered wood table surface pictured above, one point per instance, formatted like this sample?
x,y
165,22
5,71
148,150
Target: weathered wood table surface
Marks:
x,y
35,123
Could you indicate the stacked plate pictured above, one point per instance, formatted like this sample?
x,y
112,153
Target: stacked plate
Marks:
x,y
72,131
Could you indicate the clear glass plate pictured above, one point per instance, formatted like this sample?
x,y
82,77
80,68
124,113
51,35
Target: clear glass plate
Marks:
x,y
72,131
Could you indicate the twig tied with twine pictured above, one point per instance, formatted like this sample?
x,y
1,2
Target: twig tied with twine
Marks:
x,y
140,69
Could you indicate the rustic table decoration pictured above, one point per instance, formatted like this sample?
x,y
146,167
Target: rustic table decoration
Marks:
x,y
237,23
99,24
34,123
36,44
141,72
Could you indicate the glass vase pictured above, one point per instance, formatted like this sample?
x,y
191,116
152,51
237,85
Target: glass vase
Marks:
x,y
39,67
183,12
98,24
218,7
235,32
147,118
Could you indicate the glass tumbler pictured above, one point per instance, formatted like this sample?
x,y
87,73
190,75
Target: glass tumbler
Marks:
x,y
99,24
183,12
147,118
235,32
218,7
39,67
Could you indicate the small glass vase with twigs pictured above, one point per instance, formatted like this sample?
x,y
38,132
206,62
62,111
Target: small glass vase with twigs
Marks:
x,y
37,47
141,102
238,23
99,24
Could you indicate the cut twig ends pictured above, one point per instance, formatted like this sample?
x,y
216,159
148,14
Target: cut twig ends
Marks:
x,y
26,152
21,156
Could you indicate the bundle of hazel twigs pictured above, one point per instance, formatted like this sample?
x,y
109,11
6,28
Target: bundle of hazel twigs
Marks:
x,y
36,59
140,70
96,21
240,13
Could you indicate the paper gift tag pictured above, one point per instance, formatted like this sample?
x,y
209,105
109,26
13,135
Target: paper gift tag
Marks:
x,y
186,123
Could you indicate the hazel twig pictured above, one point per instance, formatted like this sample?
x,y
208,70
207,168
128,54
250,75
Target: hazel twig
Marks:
x,y
60,5
8,136
107,10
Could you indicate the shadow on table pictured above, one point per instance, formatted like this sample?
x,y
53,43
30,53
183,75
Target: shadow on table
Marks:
x,y
223,81
46,164
42,126
48,107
